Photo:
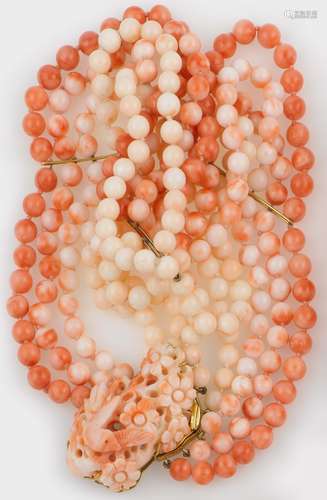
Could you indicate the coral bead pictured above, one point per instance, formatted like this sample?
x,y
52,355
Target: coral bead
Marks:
x,y
180,469
202,473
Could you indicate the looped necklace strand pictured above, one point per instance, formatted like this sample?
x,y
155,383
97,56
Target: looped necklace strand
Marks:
x,y
174,178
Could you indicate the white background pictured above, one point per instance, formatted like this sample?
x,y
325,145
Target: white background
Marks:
x,y
33,431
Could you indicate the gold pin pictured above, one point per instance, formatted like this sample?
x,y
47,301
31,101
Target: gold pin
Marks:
x,y
74,160
148,242
259,199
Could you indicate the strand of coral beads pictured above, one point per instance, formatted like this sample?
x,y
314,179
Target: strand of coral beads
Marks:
x,y
165,114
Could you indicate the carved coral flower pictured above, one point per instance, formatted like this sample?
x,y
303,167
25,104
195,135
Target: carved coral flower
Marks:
x,y
177,429
177,391
120,475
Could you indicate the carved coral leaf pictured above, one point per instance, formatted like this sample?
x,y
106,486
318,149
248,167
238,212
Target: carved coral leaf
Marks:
x,y
133,437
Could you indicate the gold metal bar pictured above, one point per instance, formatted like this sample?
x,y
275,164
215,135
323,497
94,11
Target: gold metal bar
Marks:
x,y
74,160
259,199
184,442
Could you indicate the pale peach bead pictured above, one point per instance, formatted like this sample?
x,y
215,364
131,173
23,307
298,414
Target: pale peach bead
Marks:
x,y
124,258
79,373
260,76
231,269
279,289
209,268
213,399
91,102
57,125
142,49
85,347
228,74
266,154
226,94
276,265
87,146
242,386
262,385
282,168
102,86
249,208
165,241
272,107
68,233
151,30
125,86
247,366
229,405
253,347
239,427
183,258
74,83
232,137
109,40
237,190
100,61
189,43
228,354
94,172
211,422
173,221
104,360
273,89
138,210
245,125
69,257
74,327
242,310
106,112
249,255
138,151
249,149
68,304
146,71
268,128
226,115
253,407
270,361
39,314
243,68
258,277
130,105
264,221
59,101
277,337
174,178
259,325
130,29
200,450
205,323
116,293
218,288
114,187
193,355
68,280
222,442
176,200
89,196
224,377
171,132
200,250
145,317
258,179
171,61
168,104
166,42
261,301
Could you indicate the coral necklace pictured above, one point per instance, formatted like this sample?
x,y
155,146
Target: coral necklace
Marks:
x,y
176,186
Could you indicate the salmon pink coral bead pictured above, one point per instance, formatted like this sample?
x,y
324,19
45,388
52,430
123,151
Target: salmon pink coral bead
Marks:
x,y
274,414
29,354
244,31
59,391
268,36
23,331
225,466
49,77
261,436
67,57
243,452
202,472
39,377
180,469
